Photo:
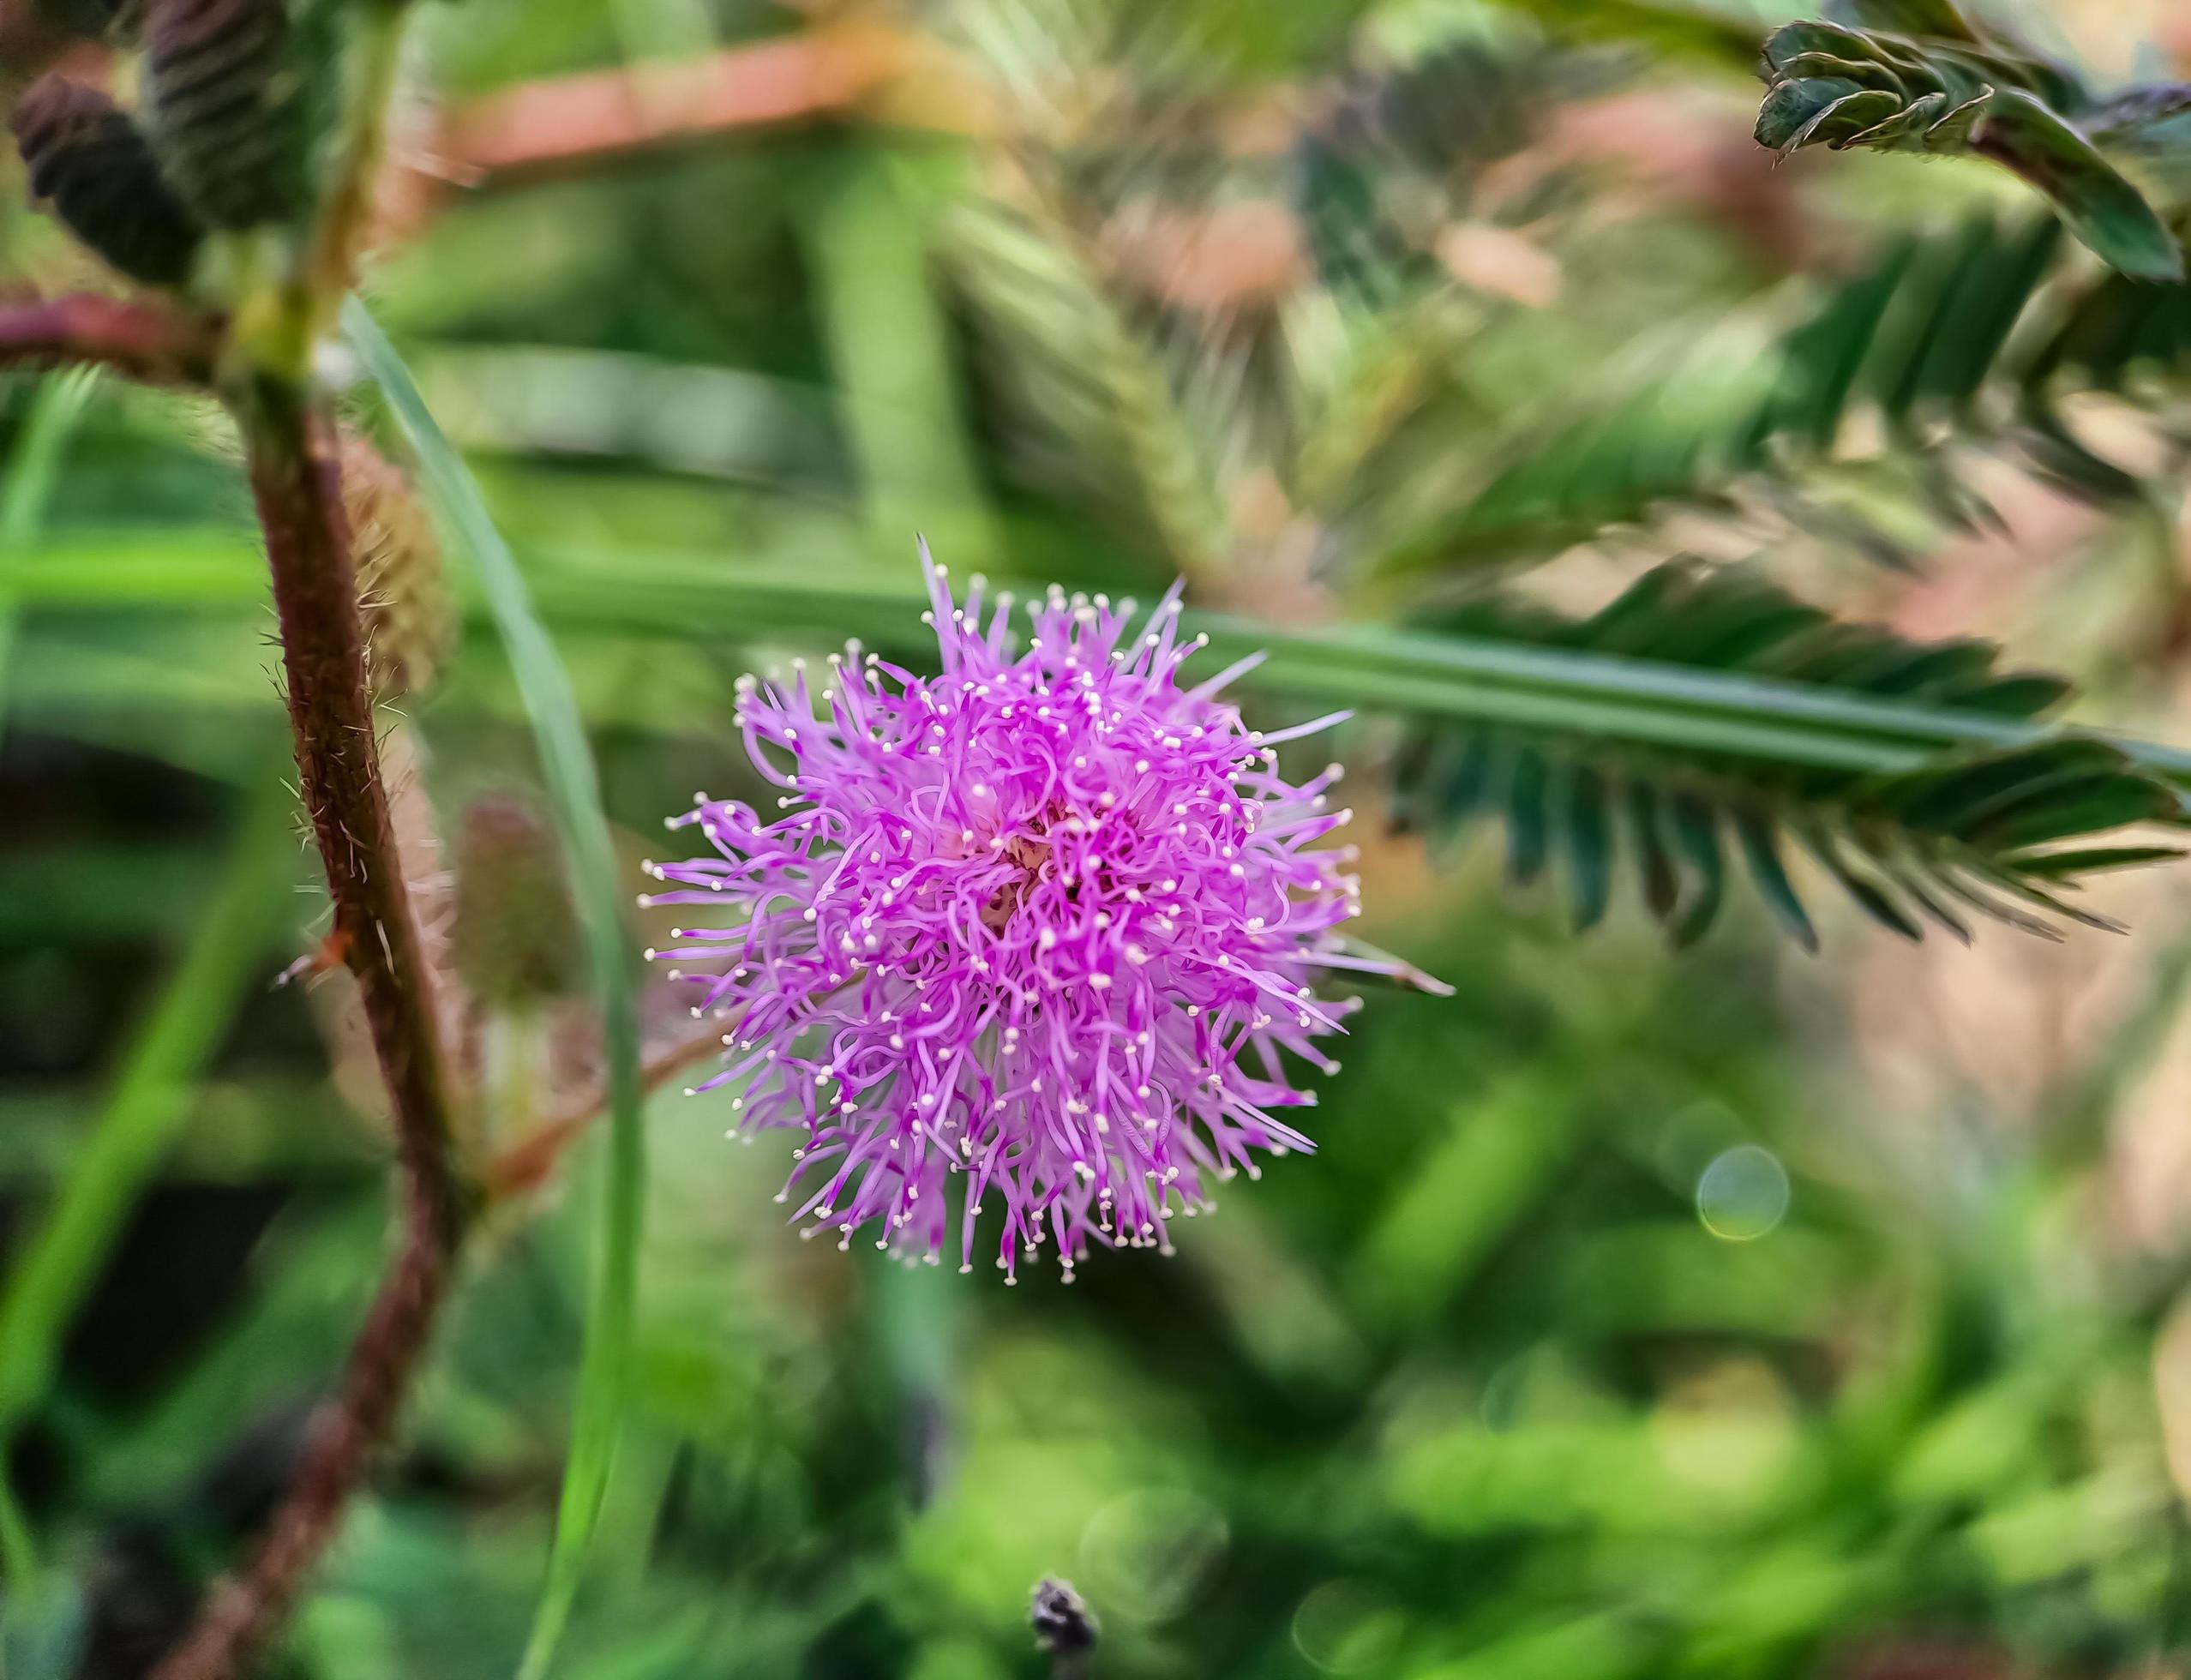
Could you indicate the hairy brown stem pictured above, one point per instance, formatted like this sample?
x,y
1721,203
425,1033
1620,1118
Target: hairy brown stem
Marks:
x,y
148,342
291,447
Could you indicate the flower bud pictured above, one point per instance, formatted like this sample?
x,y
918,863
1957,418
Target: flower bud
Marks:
x,y
516,939
402,592
86,155
221,109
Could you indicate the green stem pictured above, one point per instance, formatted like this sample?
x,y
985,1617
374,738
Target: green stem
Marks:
x,y
32,470
18,1544
345,215
667,593
573,786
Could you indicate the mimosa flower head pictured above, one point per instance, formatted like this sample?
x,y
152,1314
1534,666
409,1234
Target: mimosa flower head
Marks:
x,y
1049,922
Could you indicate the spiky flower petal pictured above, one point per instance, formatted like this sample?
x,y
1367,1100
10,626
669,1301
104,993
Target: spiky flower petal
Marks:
x,y
1047,919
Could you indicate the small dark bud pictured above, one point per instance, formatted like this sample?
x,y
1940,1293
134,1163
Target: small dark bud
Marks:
x,y
86,155
221,107
516,940
1064,1625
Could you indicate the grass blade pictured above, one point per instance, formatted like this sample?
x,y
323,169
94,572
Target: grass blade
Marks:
x,y
24,494
28,490
575,794
657,593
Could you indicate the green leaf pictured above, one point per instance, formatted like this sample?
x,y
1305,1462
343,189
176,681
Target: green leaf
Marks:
x,y
1789,110
25,1339
1472,782
2134,117
2055,866
1696,843
1960,801
1936,336
1868,897
2088,805
1907,128
2096,203
1958,816
1794,41
1762,854
1908,17
1915,889
1088,373
1931,83
1656,880
1863,72
1845,118
574,788
1589,831
1954,131
1527,819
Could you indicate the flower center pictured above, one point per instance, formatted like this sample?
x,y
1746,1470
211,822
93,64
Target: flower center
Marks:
x,y
1028,856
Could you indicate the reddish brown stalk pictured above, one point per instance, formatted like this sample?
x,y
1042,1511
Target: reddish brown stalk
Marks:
x,y
526,1163
596,115
148,342
579,124
1244,256
292,445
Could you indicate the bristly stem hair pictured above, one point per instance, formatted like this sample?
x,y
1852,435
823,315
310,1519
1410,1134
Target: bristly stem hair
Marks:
x,y
293,458
281,287
257,353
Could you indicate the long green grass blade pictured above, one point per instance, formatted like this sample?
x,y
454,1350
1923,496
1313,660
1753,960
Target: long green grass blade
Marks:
x,y
670,593
18,1544
122,1147
26,491
573,787
24,494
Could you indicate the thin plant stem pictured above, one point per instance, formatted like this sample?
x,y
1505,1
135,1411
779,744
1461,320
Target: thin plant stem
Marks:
x,y
574,794
529,1160
24,494
18,1544
345,218
151,343
290,448
293,459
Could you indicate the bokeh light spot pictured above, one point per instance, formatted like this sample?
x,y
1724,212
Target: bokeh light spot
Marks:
x,y
1349,1627
1743,1194
1146,1556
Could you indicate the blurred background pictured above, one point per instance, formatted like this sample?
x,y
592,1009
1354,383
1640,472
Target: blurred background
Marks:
x,y
1737,1311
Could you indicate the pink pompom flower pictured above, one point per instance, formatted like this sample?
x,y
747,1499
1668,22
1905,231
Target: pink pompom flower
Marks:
x,y
1047,921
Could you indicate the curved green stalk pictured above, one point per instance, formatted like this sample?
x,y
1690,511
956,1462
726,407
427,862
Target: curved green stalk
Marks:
x,y
28,490
566,762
